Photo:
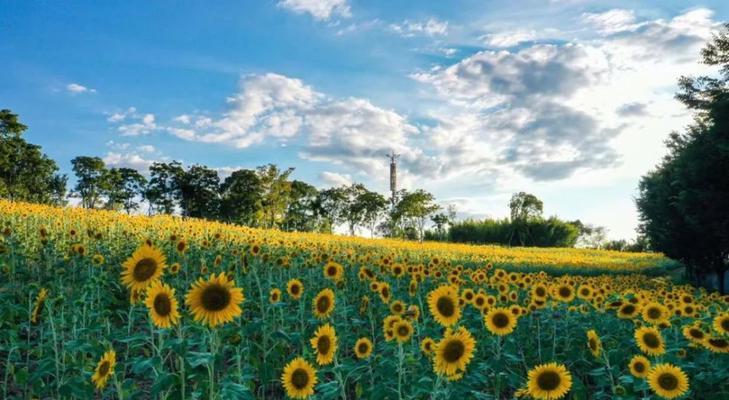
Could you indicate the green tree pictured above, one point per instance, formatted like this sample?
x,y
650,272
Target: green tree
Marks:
x,y
162,191
90,180
198,189
275,193
329,208
413,209
525,207
26,174
241,198
373,207
301,212
122,188
682,204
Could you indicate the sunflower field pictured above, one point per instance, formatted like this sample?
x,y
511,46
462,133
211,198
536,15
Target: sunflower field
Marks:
x,y
96,304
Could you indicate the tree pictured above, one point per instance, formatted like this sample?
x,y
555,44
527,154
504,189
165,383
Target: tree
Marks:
x,y
590,236
301,214
413,209
198,189
524,208
275,192
373,206
241,198
329,208
90,179
122,187
162,191
26,174
682,204
442,221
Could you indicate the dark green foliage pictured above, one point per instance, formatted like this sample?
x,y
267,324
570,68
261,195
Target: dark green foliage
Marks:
x,y
26,174
241,198
550,232
683,204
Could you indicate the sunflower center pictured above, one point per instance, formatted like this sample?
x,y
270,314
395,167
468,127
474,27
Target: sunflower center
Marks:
x,y
162,305
322,305
565,291
453,351
397,307
294,289
540,292
593,344
500,320
654,313
585,292
719,343
667,381
445,306
323,344
651,340
639,367
403,330
144,269
628,309
300,378
362,348
331,271
548,380
725,324
479,301
104,368
215,298
696,333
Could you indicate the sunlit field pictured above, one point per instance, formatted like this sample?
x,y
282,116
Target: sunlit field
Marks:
x,y
100,304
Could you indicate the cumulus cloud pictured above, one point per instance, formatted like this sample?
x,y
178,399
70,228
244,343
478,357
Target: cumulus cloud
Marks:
x,y
509,39
335,179
429,27
75,88
549,110
131,123
319,9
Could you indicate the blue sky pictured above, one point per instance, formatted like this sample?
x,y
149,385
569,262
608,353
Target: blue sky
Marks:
x,y
568,99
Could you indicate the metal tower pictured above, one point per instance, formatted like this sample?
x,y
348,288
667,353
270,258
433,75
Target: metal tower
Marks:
x,y
393,177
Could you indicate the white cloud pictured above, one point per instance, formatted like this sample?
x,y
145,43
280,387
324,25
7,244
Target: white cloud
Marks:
x,y
319,9
121,116
429,27
332,179
509,39
75,88
612,21
135,124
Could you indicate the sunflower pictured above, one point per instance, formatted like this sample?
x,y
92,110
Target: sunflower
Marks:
x,y
295,288
162,305
500,321
181,246
274,296
639,366
397,307
299,378
717,344
143,267
654,313
324,344
403,330
323,303
549,381
453,353
363,348
668,381
214,301
427,345
104,369
564,293
721,323
594,343
333,271
443,304
628,311
694,333
40,302
650,341
175,268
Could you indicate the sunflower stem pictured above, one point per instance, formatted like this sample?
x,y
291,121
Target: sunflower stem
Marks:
x,y
400,358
